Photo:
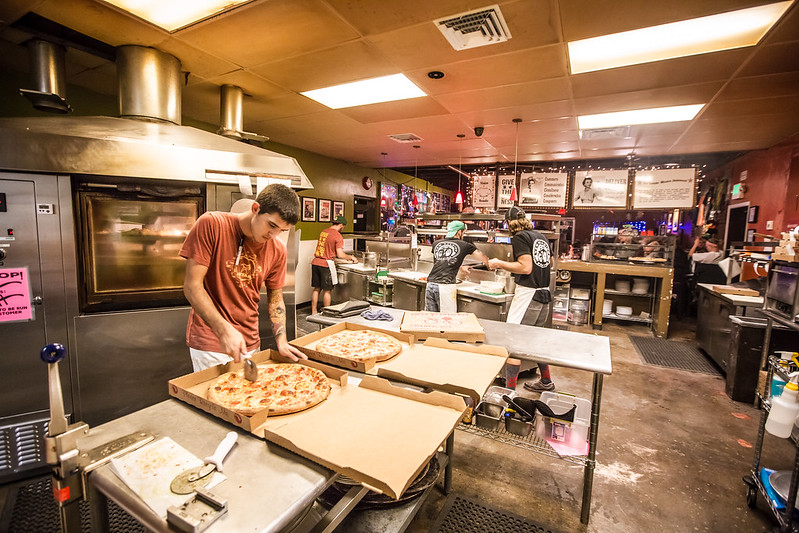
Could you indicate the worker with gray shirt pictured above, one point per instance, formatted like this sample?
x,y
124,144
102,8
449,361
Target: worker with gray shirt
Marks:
x,y
441,294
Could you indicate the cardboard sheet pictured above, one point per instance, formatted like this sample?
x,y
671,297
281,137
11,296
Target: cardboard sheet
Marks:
x,y
452,326
376,433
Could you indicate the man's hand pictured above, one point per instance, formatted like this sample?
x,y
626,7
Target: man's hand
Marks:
x,y
232,343
494,264
287,350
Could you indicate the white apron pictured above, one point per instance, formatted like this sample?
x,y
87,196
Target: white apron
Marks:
x,y
518,306
448,297
333,274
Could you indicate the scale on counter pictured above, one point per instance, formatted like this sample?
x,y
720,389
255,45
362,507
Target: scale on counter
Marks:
x,y
345,309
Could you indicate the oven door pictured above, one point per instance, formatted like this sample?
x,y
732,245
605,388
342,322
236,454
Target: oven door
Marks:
x,y
781,292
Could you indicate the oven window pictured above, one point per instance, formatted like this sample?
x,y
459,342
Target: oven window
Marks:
x,y
130,245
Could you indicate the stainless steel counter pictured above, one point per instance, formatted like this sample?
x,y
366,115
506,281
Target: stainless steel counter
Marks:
x,y
267,486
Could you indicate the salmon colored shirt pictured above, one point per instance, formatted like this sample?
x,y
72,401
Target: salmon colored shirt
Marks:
x,y
235,289
329,241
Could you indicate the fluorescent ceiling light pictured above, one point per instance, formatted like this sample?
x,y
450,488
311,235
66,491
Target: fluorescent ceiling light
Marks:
x,y
654,115
373,91
175,14
725,31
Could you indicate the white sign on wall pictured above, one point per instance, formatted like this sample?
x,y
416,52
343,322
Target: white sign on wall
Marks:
x,y
506,184
537,189
672,188
600,188
483,190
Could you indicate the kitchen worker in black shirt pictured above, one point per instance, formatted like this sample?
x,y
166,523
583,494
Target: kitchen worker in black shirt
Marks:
x,y
532,301
441,294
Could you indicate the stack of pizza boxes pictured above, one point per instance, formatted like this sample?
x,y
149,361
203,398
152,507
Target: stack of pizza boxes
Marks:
x,y
787,250
379,409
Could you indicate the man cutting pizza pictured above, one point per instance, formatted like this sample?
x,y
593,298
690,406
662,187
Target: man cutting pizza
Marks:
x,y
532,301
229,256
441,294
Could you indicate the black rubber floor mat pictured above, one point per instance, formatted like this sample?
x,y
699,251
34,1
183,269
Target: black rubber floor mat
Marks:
x,y
463,515
30,508
673,354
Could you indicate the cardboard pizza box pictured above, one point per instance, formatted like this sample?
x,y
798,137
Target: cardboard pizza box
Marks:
x,y
193,388
738,291
307,345
452,326
455,368
378,434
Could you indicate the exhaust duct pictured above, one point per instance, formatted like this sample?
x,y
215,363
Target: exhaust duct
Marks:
x,y
149,84
48,74
231,113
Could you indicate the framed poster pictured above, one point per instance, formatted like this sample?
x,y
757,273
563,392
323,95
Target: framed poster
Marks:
x,y
600,188
671,188
338,209
445,200
308,209
506,184
325,210
483,190
753,214
537,189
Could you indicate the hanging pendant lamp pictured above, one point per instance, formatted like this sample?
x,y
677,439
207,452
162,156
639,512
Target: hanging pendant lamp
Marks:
x,y
459,194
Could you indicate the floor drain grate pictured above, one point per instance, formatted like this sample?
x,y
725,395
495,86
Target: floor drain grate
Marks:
x,y
462,515
673,354
32,509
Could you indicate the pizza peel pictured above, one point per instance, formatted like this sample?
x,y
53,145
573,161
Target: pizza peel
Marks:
x,y
187,481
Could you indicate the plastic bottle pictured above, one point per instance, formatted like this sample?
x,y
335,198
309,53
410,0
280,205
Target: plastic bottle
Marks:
x,y
784,409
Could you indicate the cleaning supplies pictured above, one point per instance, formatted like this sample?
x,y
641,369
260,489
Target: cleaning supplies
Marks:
x,y
784,409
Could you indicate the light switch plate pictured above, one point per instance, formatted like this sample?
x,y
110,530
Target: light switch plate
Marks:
x,y
769,224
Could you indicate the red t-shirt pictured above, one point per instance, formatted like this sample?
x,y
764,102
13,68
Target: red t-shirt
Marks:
x,y
329,241
235,289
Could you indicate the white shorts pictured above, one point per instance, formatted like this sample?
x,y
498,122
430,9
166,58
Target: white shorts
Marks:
x,y
202,359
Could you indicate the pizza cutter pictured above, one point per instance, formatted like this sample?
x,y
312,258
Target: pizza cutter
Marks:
x,y
250,370
187,481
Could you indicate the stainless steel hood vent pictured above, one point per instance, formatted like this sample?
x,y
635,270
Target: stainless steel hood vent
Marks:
x,y
231,115
48,73
149,84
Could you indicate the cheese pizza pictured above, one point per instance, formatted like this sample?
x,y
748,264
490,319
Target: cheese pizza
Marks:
x,y
282,388
360,345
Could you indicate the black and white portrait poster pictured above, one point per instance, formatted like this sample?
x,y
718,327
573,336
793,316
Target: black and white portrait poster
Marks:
x,y
664,188
483,190
600,188
506,184
538,189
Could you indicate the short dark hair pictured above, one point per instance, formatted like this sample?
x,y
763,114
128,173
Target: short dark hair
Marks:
x,y
277,198
587,178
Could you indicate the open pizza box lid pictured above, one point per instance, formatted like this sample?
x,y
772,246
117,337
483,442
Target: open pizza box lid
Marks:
x,y
438,364
307,344
193,389
378,434
453,326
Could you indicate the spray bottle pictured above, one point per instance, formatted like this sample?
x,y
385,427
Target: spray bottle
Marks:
x,y
784,409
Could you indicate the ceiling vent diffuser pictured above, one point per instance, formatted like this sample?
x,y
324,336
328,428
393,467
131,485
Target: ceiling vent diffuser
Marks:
x,y
405,138
620,132
475,28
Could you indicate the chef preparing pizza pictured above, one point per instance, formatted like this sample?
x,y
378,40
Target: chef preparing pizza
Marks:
x,y
532,301
441,294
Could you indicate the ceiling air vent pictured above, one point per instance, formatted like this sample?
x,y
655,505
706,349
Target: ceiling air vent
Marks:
x,y
405,138
620,132
474,28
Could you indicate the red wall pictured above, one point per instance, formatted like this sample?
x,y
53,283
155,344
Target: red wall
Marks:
x,y
772,184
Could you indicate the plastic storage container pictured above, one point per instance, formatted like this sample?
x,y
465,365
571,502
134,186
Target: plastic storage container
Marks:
x,y
572,434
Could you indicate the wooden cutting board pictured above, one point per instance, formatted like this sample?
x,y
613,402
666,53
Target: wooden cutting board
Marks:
x,y
738,291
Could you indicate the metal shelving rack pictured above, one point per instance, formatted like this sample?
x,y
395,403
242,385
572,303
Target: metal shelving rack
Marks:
x,y
786,517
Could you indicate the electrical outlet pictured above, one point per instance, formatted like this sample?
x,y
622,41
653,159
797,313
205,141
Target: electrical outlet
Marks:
x,y
769,224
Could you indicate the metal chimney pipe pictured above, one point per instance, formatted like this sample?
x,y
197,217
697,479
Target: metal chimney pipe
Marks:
x,y
149,84
48,74
231,111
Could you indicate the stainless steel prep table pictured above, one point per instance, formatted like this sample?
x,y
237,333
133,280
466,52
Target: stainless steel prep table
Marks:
x,y
267,487
552,346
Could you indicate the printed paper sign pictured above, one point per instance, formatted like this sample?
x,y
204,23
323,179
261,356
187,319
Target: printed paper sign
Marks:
x,y
484,190
600,188
538,189
506,185
15,295
664,188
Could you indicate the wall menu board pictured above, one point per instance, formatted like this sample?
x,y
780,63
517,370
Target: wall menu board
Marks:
x,y
672,188
483,190
506,184
600,188
537,189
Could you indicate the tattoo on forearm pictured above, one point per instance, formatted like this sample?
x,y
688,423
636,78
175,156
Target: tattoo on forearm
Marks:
x,y
280,331
277,313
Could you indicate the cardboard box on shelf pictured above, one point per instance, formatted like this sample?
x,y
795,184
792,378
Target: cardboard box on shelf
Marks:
x,y
452,326
352,427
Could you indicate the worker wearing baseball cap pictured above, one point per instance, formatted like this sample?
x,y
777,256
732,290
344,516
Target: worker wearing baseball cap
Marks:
x,y
532,301
323,267
441,294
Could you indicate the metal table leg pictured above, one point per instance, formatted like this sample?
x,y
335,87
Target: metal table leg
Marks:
x,y
339,512
450,446
588,478
98,507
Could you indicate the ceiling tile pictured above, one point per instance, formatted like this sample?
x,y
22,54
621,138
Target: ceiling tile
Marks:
x,y
752,106
783,57
690,94
199,62
506,96
760,86
400,109
252,85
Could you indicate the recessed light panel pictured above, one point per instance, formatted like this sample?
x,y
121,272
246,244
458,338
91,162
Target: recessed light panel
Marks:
x,y
653,115
373,91
173,15
724,31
